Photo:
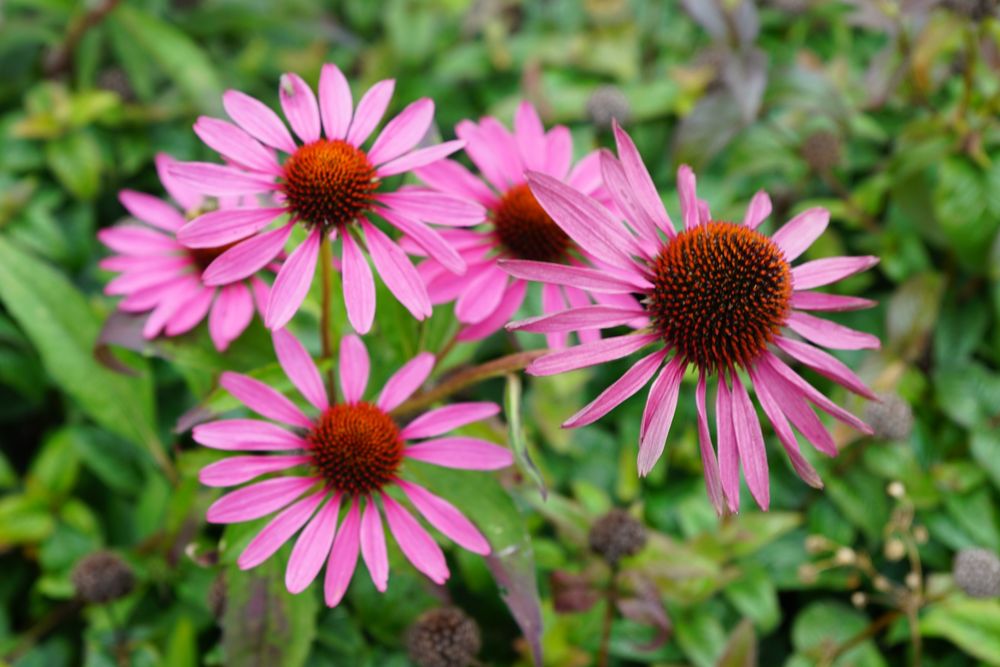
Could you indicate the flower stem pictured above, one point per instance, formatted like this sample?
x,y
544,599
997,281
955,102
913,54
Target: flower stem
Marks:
x,y
325,327
610,600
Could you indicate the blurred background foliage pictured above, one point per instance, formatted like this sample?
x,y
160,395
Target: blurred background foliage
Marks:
x,y
884,111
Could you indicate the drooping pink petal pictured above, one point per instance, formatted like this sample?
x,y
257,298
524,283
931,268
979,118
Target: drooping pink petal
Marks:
x,y
574,319
437,207
172,299
687,191
136,240
829,302
279,530
483,295
397,272
246,435
589,354
248,257
187,197
415,542
825,364
258,120
750,444
359,285
220,180
138,279
628,384
659,414
794,407
353,369
446,518
293,281
821,272
402,133
799,233
235,470
585,220
419,158
830,334
257,500
585,278
558,151
553,301
461,452
758,210
263,400
646,197
512,300
335,102
230,315
713,482
151,210
312,547
370,110
450,176
225,226
405,381
806,390
729,458
529,133
300,368
624,196
448,418
428,239
373,546
299,104
343,556
236,145
191,312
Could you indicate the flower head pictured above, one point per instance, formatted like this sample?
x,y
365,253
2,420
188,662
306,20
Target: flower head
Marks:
x,y
329,184
717,297
343,455
161,276
517,226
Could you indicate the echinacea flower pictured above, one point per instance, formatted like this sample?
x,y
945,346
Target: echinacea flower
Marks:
x,y
160,275
517,227
716,296
329,184
344,455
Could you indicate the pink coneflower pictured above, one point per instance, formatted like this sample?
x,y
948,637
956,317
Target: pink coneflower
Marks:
x,y
348,454
517,227
717,296
329,184
160,275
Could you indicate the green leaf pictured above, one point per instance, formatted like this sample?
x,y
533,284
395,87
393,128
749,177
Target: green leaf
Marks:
x,y
24,520
985,446
822,627
62,327
182,646
55,466
515,432
700,635
972,625
755,597
76,161
741,649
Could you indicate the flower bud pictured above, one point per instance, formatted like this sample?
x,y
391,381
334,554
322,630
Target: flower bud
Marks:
x,y
101,577
615,535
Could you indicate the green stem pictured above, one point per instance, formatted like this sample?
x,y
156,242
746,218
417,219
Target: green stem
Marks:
x,y
325,326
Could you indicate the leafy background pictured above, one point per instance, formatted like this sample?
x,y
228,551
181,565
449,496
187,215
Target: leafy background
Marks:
x,y
885,111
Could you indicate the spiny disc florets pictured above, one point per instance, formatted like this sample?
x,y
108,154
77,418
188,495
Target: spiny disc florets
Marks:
x,y
356,448
329,183
526,230
721,293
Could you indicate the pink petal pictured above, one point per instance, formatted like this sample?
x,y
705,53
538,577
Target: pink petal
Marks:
x,y
448,418
800,232
257,500
353,368
503,149
248,257
171,301
263,400
343,557
481,151
370,110
405,381
750,443
573,319
482,296
402,133
151,210
586,174
793,405
312,547
446,518
828,302
687,191
359,286
592,280
219,180
373,546
258,120
450,176
436,207
191,312
461,452
300,107
293,281
300,369
512,300
236,145
713,482
225,226
825,271
558,151
231,314
136,240
553,301
729,458
628,384
646,197
428,239
830,334
624,196
825,364
659,414
138,279
419,158
415,542
758,210
246,435
186,196
397,272
278,531
530,136
239,469
335,102
589,354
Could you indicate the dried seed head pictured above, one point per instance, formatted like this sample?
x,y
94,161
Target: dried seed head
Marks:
x,y
101,577
890,417
608,103
617,534
977,572
821,150
444,637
